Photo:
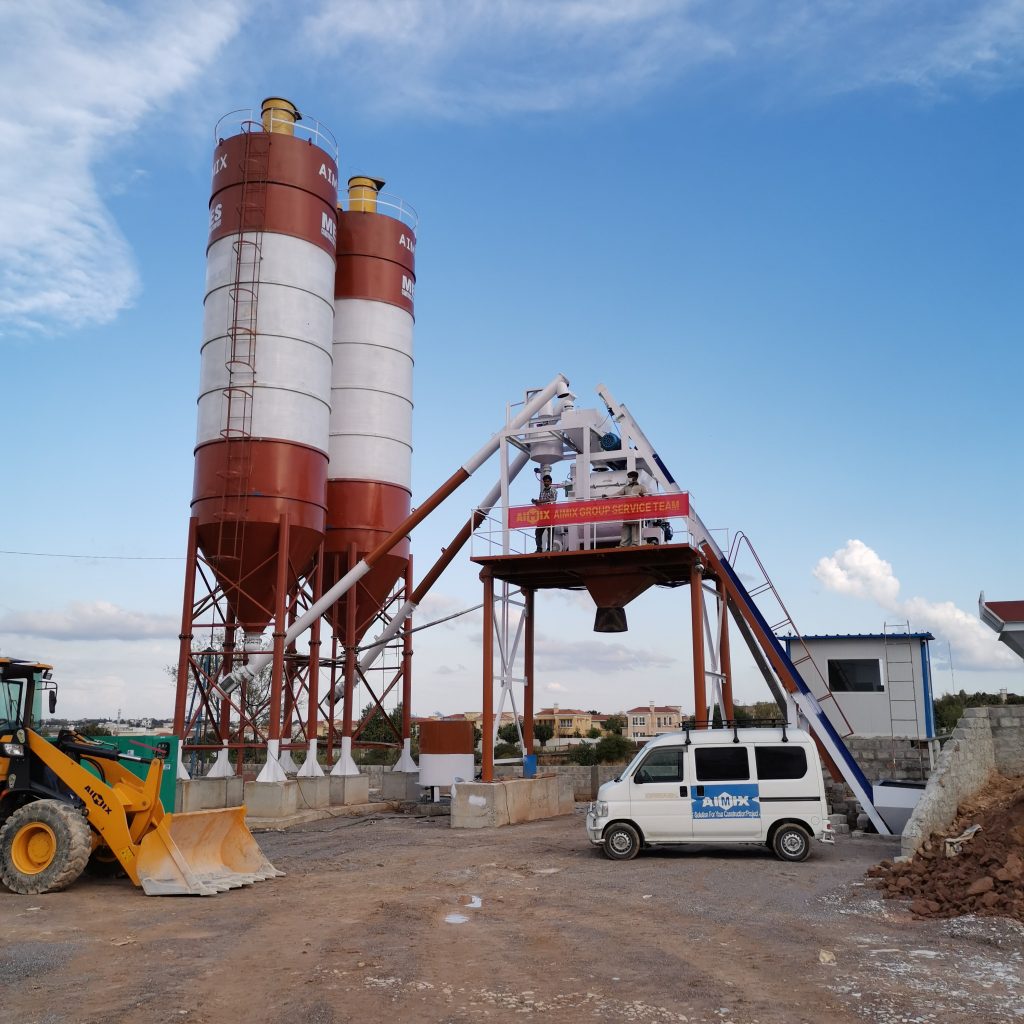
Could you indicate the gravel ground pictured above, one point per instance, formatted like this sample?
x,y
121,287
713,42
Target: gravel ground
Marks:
x,y
399,918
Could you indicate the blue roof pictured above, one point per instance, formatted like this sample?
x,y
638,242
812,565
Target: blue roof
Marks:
x,y
857,636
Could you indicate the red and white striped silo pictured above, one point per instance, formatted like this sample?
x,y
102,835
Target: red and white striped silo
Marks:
x,y
369,476
265,388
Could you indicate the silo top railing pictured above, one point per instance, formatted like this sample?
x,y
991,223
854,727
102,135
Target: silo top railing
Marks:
x,y
248,119
394,206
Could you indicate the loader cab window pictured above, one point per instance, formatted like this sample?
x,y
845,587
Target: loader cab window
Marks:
x,y
665,764
11,693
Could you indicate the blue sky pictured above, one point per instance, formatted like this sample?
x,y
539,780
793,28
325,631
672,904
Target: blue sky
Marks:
x,y
788,240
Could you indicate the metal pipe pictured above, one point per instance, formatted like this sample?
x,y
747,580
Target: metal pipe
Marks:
x,y
448,553
353,576
528,645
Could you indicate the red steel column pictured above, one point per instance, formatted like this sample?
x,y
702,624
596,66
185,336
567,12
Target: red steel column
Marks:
x,y
185,636
724,657
227,663
487,720
313,679
700,696
281,601
528,672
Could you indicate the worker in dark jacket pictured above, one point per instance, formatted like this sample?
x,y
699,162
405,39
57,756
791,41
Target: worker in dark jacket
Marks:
x,y
548,495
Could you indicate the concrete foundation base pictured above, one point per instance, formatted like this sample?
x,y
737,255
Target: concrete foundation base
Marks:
x,y
510,802
271,799
207,794
313,792
345,790
400,786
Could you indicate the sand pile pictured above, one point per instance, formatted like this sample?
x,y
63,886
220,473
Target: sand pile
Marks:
x,y
985,877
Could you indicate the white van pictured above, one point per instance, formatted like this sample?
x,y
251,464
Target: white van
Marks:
x,y
734,785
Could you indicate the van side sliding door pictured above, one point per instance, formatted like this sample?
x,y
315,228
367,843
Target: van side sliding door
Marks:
x,y
725,795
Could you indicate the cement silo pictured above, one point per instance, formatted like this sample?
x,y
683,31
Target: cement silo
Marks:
x,y
264,398
369,475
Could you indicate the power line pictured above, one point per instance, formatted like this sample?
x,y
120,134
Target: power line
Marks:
x,y
108,558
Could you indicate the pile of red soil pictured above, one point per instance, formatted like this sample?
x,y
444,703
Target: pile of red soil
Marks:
x,y
987,877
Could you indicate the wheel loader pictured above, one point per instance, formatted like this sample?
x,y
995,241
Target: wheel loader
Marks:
x,y
71,805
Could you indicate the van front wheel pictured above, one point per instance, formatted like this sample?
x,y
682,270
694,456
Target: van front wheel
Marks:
x,y
791,843
621,842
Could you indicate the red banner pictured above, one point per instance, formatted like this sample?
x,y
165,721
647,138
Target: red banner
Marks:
x,y
601,510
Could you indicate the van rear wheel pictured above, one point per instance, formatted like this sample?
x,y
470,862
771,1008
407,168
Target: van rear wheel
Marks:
x,y
791,842
621,842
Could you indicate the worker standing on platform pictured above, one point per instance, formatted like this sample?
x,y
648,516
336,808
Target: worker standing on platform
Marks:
x,y
548,495
631,528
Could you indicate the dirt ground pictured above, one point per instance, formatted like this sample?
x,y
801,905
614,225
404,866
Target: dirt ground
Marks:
x,y
402,919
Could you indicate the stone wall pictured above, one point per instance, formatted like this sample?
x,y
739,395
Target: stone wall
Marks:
x,y
984,740
886,757
586,779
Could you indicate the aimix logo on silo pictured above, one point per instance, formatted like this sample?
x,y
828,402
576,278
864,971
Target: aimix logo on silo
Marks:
x,y
735,801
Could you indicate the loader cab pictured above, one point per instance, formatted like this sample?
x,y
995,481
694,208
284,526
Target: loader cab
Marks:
x,y
22,684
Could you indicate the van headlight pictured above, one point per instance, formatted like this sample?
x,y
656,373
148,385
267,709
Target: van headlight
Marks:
x,y
12,749
601,809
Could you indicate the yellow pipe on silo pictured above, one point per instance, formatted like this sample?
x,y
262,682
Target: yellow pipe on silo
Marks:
x,y
362,194
279,115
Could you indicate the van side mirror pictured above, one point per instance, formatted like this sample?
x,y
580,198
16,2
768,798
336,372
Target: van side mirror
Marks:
x,y
53,701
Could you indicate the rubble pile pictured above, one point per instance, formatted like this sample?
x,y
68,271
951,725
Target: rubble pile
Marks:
x,y
966,870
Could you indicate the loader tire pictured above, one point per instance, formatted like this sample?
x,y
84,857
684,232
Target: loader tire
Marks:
x,y
44,847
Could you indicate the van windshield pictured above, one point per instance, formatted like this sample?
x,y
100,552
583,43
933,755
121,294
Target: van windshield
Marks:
x,y
632,766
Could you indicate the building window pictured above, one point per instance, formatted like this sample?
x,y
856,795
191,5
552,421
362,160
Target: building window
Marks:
x,y
662,765
854,675
780,762
722,764
638,721
565,723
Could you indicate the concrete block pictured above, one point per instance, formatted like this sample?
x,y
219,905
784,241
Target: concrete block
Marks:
x,y
234,791
271,799
404,786
313,793
510,802
201,795
346,790
566,796
974,713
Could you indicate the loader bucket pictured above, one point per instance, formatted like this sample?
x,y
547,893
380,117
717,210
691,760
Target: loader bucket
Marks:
x,y
200,854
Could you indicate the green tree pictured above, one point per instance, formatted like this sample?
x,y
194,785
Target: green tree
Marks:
x,y
583,754
378,729
614,749
615,724
508,733
594,733
542,732
949,708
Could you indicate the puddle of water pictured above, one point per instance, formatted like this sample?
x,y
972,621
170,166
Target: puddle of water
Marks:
x,y
456,919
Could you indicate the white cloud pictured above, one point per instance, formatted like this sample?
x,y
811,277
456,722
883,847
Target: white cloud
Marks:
x,y
77,77
467,58
597,655
89,620
857,570
554,688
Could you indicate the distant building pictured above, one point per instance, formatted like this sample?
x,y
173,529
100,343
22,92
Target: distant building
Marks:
x,y
654,720
881,682
565,721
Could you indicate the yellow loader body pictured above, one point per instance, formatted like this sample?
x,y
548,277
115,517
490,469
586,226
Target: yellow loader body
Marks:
x,y
195,854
